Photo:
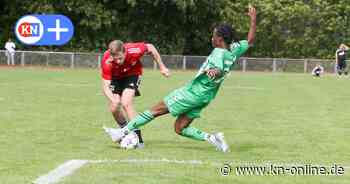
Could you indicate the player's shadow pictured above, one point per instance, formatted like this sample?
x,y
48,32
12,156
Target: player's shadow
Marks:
x,y
176,145
114,146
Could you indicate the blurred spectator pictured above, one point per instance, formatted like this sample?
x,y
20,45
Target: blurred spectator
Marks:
x,y
10,52
317,71
340,59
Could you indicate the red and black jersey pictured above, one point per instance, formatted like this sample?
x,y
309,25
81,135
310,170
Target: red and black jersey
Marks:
x,y
132,64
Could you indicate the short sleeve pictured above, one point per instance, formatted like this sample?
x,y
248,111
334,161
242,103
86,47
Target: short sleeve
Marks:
x,y
143,48
238,49
137,49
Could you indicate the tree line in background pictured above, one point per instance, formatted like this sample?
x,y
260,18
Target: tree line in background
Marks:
x,y
285,28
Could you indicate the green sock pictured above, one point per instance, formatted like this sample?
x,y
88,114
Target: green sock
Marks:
x,y
194,133
140,120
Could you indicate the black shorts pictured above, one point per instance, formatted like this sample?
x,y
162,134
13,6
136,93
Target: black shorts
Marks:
x,y
131,82
342,65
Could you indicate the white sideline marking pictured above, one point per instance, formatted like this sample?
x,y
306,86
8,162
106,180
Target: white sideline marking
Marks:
x,y
71,166
60,172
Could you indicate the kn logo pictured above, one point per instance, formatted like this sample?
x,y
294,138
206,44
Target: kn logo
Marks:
x,y
44,29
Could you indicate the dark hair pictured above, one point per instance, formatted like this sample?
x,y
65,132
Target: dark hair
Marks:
x,y
227,33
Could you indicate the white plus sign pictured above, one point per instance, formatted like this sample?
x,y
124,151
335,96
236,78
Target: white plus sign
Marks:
x,y
57,29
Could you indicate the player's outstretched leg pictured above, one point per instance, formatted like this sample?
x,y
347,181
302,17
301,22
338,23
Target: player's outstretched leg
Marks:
x,y
183,128
146,116
140,120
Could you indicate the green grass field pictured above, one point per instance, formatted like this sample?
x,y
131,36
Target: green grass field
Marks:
x,y
48,117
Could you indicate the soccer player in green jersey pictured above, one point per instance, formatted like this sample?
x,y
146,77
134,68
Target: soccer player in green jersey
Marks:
x,y
187,102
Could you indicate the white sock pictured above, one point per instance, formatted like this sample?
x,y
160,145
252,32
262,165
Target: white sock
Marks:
x,y
210,139
207,136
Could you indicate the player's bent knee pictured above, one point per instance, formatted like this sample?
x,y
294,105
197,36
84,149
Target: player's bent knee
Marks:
x,y
114,107
178,130
127,104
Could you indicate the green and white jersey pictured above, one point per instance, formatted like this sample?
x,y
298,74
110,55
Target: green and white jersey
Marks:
x,y
222,59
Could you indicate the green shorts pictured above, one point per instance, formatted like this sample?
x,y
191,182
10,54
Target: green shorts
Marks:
x,y
182,101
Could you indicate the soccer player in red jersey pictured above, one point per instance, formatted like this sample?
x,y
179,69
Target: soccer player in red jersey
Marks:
x,y
121,74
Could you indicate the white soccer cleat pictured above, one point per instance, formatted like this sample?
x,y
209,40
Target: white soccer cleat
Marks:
x,y
115,134
219,142
140,145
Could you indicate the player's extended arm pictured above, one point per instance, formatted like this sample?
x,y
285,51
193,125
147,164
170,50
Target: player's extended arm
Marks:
x,y
107,90
252,29
156,56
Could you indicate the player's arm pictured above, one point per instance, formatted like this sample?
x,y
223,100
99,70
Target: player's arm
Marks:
x,y
107,90
106,78
252,29
156,57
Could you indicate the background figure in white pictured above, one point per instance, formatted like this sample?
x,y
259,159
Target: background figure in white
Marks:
x,y
317,71
10,52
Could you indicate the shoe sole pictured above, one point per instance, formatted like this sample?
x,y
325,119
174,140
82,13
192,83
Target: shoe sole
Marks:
x,y
108,132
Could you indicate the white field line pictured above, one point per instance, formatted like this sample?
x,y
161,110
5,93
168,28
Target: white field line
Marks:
x,y
69,167
60,172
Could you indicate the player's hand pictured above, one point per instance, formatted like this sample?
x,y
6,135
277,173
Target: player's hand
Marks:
x,y
252,12
213,73
165,71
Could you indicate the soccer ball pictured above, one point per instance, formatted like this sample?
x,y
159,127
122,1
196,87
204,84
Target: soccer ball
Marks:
x,y
130,141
